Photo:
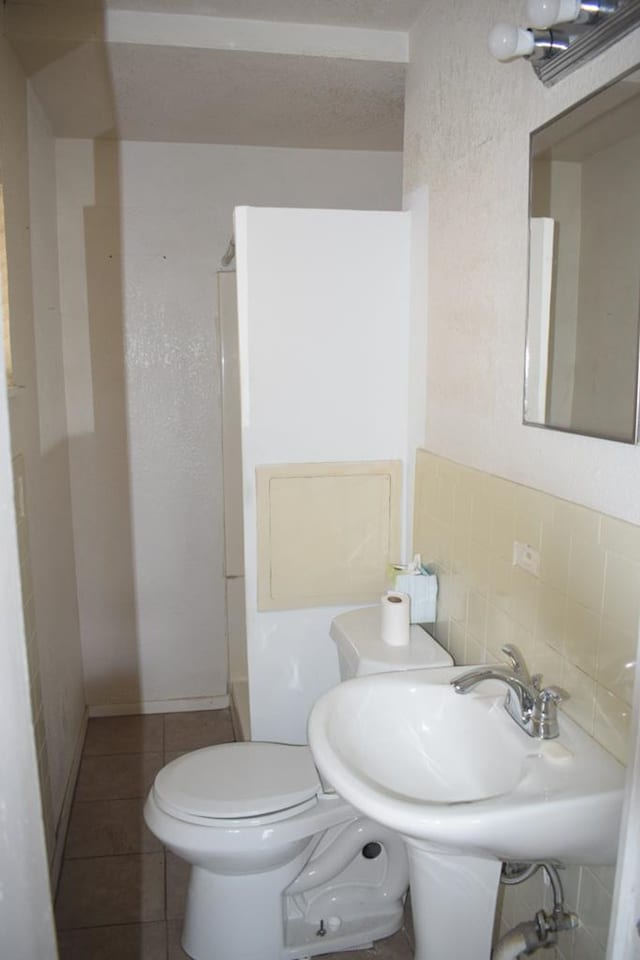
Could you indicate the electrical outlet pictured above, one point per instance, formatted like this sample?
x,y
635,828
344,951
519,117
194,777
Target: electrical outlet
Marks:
x,y
526,557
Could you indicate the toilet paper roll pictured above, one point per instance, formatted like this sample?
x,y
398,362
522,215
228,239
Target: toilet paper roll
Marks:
x,y
395,619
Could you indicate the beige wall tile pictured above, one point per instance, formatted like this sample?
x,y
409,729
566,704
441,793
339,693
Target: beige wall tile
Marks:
x,y
617,536
586,573
474,651
525,641
500,583
622,591
582,637
547,661
617,652
481,519
445,498
583,524
503,532
576,624
477,617
463,506
532,503
582,691
612,723
551,625
554,556
499,630
585,947
528,529
594,903
525,598
456,644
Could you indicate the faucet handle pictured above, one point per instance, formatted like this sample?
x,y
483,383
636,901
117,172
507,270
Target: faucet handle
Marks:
x,y
518,662
553,695
545,712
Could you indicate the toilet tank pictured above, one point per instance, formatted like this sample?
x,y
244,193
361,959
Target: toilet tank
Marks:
x,y
361,650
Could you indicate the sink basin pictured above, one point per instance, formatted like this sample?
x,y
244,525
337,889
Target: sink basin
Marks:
x,y
456,772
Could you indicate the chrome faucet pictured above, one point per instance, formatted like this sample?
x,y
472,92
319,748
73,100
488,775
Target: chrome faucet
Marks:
x,y
533,707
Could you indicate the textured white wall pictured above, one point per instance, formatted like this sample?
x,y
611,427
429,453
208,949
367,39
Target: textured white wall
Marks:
x,y
467,126
26,917
48,478
38,421
142,228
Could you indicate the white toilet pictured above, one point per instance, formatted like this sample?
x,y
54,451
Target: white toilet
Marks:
x,y
281,866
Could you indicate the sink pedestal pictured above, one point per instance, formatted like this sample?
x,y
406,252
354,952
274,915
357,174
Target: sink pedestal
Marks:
x,y
454,903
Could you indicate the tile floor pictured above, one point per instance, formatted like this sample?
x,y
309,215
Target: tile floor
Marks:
x,y
121,895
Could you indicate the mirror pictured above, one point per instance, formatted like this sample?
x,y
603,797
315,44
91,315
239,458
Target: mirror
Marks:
x,y
581,364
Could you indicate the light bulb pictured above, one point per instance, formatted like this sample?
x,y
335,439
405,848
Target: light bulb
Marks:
x,y
507,41
543,14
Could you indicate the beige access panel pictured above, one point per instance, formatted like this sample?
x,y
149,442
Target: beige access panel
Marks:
x,y
326,532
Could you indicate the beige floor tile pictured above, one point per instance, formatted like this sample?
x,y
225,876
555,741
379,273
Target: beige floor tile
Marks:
x,y
177,873
102,828
350,955
138,941
117,777
174,947
106,891
201,728
139,734
394,948
170,755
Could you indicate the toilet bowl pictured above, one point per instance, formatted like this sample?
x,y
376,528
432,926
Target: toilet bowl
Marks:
x,y
281,866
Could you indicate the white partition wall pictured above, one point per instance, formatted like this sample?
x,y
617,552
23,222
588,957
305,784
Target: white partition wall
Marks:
x,y
323,301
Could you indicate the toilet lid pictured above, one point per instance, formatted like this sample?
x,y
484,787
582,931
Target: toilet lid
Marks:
x,y
235,780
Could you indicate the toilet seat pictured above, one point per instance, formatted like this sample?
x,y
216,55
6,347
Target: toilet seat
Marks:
x,y
248,782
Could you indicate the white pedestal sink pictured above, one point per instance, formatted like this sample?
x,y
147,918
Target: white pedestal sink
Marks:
x,y
467,789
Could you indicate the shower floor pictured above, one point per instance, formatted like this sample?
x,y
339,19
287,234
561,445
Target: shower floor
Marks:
x,y
121,894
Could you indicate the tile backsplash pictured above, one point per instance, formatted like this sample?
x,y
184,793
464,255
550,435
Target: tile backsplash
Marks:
x,y
576,622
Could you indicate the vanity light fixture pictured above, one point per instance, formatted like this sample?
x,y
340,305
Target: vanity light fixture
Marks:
x,y
586,28
544,14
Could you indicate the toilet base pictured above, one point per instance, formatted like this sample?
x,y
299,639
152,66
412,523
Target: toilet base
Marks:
x,y
356,933
230,932
250,918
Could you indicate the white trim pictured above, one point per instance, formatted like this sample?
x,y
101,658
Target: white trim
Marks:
x,y
256,36
159,706
67,802
542,235
624,936
240,692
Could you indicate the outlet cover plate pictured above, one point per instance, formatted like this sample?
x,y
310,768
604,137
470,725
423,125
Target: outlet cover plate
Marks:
x,y
526,557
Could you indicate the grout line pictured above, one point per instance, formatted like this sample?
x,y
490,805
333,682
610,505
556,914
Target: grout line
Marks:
x,y
107,926
109,799
77,858
129,753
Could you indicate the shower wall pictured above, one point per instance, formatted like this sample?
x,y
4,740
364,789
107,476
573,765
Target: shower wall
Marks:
x,y
142,229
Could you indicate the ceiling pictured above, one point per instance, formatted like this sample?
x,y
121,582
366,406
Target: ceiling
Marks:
x,y
292,73
374,14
